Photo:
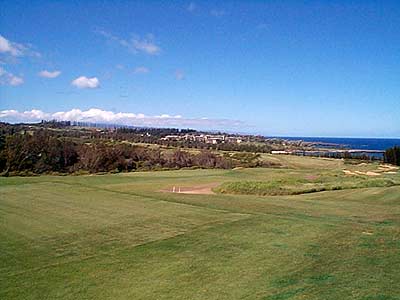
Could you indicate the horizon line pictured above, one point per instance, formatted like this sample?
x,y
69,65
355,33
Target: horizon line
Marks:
x,y
282,136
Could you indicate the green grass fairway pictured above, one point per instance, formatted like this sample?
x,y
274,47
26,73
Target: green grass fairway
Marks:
x,y
120,237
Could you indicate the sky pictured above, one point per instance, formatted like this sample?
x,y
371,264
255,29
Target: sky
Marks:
x,y
278,68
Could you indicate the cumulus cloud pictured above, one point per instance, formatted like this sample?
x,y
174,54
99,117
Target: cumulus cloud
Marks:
x,y
84,82
15,49
136,44
141,70
8,47
7,78
49,74
14,115
95,115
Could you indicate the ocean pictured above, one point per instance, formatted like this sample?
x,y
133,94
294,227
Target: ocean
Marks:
x,y
352,143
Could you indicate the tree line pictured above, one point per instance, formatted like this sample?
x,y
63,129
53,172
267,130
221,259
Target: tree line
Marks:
x,y
153,136
392,155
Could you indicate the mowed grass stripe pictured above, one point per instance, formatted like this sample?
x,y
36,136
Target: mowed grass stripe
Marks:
x,y
256,258
85,223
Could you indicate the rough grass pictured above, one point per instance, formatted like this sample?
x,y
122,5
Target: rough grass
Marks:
x,y
296,187
117,237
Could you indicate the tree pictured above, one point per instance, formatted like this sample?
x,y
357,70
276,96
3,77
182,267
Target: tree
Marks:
x,y
392,155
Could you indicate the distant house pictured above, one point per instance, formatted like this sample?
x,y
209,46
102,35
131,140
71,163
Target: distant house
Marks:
x,y
171,138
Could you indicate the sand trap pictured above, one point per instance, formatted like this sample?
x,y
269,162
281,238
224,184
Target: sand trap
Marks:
x,y
369,173
390,167
204,189
348,172
356,173
382,169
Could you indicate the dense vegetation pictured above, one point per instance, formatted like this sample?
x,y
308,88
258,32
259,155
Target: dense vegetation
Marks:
x,y
145,135
392,155
62,147
44,150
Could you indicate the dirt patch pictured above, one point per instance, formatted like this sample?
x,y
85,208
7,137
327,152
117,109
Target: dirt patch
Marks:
x,y
204,189
311,177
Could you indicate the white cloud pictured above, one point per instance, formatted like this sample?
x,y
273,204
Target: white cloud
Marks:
x,y
84,82
15,49
179,75
15,80
7,78
146,45
141,70
136,44
33,115
49,74
95,115
191,7
113,38
8,47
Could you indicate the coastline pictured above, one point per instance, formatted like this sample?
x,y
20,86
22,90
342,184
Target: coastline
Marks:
x,y
368,145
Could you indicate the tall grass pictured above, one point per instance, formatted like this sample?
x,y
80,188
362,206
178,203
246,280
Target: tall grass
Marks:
x,y
296,187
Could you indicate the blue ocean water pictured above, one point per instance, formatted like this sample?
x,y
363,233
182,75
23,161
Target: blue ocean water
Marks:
x,y
353,143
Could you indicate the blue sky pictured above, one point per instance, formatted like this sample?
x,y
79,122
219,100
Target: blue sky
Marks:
x,y
307,68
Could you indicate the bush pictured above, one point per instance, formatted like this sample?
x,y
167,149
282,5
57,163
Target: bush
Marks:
x,y
392,155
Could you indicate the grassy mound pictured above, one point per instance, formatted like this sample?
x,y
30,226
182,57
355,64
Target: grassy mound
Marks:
x,y
296,187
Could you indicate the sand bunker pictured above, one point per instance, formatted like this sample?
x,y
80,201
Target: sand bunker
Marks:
x,y
348,172
358,173
386,168
204,189
382,169
370,173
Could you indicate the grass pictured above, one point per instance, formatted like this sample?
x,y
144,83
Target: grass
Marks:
x,y
119,237
300,186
